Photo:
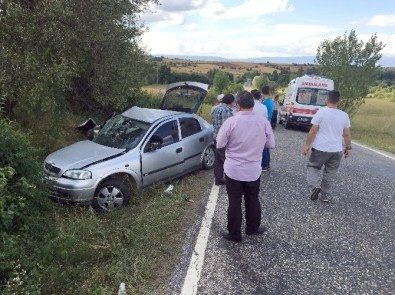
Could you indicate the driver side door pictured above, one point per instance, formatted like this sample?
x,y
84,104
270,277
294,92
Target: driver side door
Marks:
x,y
167,161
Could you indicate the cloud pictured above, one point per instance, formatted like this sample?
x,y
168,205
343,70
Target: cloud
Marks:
x,y
280,40
163,19
383,20
181,5
248,9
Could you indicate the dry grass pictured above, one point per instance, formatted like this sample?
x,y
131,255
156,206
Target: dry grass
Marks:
x,y
374,124
236,68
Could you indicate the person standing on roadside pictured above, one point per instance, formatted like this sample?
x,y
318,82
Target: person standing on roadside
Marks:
x,y
219,115
329,127
258,106
273,121
268,102
241,137
217,102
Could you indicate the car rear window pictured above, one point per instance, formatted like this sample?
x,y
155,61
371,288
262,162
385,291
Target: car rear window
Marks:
x,y
189,126
312,96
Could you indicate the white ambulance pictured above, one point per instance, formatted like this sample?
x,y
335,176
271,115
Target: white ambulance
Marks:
x,y
304,97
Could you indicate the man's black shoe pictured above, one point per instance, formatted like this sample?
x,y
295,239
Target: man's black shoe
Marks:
x,y
260,231
314,193
221,182
230,238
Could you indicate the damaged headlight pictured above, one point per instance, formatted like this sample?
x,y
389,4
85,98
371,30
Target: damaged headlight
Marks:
x,y
78,174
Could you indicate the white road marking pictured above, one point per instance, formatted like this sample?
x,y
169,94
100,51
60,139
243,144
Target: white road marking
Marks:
x,y
196,263
195,266
373,150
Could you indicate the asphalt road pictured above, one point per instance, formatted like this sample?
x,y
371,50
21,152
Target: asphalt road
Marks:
x,y
346,246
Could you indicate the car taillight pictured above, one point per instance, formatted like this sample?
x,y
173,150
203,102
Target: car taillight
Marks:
x,y
292,106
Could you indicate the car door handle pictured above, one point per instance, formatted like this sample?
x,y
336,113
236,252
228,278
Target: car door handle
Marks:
x,y
201,139
179,150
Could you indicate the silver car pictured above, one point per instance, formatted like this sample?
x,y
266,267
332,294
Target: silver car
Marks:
x,y
134,150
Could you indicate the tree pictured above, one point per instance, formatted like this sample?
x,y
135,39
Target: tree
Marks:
x,y
274,76
263,79
352,64
220,81
84,52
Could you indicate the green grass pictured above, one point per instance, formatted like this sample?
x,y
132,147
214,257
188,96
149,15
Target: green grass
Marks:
x,y
374,124
139,245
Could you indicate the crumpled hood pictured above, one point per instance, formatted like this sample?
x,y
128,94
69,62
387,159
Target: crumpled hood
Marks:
x,y
80,154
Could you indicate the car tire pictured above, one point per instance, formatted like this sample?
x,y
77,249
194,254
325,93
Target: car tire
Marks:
x,y
208,158
111,195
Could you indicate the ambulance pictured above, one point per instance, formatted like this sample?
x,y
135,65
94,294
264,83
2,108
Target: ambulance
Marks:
x,y
303,98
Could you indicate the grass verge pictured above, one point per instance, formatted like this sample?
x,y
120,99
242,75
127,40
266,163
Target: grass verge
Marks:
x,y
374,124
139,245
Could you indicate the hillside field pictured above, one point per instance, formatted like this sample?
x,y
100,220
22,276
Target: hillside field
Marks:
x,y
236,68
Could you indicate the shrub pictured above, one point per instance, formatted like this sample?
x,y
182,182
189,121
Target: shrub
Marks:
x,y
24,209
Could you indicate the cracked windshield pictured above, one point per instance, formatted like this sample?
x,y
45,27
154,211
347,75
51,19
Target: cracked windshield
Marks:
x,y
121,132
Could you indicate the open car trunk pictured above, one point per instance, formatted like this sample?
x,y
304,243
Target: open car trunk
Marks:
x,y
184,97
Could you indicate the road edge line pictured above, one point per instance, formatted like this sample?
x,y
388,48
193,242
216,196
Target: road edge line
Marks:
x,y
374,150
195,266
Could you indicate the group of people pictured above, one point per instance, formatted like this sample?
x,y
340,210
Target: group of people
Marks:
x,y
244,136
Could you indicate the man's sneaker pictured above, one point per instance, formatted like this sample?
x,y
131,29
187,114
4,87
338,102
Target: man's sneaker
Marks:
x,y
314,193
324,198
265,168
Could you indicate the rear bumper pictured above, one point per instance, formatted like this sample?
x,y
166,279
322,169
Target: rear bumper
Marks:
x,y
299,120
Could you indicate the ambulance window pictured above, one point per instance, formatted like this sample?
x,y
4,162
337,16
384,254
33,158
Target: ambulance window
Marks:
x,y
312,96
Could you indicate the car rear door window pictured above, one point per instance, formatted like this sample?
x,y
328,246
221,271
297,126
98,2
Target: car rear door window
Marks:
x,y
189,126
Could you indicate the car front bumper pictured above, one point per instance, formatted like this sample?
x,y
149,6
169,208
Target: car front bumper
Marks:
x,y
71,190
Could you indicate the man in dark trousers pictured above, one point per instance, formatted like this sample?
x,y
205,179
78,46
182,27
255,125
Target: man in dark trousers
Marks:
x,y
222,112
243,137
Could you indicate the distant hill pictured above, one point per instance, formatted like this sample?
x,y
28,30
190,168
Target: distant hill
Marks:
x,y
386,61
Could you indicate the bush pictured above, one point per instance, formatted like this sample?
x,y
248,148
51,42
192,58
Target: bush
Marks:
x,y
24,209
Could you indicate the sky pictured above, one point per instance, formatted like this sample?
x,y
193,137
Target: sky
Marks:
x,y
263,28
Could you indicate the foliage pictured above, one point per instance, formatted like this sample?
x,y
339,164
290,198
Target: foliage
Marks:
x,y
212,73
249,75
386,75
176,77
234,88
352,65
220,81
85,51
259,81
24,209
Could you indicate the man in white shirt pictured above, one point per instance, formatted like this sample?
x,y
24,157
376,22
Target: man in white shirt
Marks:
x,y
258,106
329,127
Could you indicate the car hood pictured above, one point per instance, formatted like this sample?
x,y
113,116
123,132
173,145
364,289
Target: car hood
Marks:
x,y
184,96
79,155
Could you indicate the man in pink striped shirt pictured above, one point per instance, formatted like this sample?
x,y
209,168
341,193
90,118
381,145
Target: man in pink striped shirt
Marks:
x,y
244,136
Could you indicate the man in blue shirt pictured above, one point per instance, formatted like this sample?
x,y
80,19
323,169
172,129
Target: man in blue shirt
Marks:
x,y
268,102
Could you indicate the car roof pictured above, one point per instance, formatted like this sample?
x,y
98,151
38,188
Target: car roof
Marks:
x,y
148,115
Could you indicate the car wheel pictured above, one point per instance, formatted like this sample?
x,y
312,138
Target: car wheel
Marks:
x,y
111,195
208,158
286,123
